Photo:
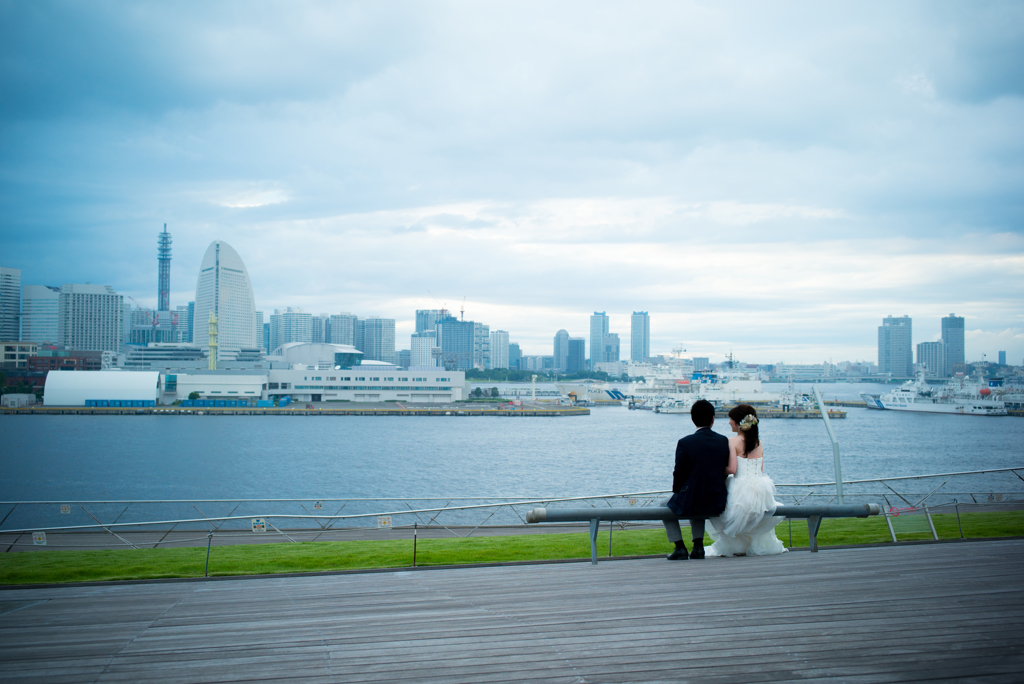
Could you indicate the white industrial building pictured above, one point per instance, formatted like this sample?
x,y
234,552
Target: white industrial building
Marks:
x,y
74,388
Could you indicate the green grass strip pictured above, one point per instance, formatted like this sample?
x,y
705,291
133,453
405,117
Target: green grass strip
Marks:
x,y
45,567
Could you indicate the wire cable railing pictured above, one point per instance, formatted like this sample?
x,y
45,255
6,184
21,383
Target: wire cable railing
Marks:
x,y
110,523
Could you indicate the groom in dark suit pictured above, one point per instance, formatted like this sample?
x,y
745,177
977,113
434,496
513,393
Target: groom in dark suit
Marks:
x,y
698,482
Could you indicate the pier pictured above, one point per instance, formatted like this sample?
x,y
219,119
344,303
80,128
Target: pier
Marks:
x,y
389,410
938,611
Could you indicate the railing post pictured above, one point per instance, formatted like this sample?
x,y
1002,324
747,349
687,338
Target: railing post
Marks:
x,y
835,443
209,540
593,541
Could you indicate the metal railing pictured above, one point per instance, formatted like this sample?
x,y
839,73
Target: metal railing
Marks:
x,y
165,521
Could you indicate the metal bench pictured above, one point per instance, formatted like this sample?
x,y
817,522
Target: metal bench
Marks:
x,y
594,516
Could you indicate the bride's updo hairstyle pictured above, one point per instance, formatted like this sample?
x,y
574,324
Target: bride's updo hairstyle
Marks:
x,y
745,416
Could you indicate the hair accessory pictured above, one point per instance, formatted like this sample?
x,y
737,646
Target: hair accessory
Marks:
x,y
749,421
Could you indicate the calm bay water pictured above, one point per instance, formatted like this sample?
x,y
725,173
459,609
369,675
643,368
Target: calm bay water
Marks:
x,y
613,450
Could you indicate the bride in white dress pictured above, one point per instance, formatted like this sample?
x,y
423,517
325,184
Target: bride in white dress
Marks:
x,y
747,526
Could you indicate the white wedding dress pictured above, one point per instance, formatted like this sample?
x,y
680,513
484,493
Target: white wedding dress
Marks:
x,y
747,526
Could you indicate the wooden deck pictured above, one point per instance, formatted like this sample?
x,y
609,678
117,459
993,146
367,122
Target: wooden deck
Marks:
x,y
882,614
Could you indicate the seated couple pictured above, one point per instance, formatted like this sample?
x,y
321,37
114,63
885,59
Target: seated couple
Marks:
x,y
723,480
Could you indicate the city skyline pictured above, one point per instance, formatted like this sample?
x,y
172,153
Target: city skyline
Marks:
x,y
770,181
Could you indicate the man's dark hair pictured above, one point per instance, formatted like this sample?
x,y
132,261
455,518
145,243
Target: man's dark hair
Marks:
x,y
702,413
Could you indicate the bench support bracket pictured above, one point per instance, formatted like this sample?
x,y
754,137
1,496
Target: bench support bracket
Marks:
x,y
813,523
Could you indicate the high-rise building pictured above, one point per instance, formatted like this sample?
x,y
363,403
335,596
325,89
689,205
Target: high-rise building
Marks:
x,y
379,340
639,337
561,350
224,289
1002,358
321,328
598,329
426,319
576,360
191,320
290,325
10,304
183,324
343,329
514,355
39,313
90,318
895,351
163,257
421,350
499,349
481,346
932,357
953,338
266,337
610,342
259,328
701,363
456,338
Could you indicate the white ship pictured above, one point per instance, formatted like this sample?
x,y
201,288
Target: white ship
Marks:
x,y
593,392
963,396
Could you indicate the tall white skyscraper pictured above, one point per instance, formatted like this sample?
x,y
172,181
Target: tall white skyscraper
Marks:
x,y
10,304
499,349
225,290
481,346
598,329
90,318
639,337
39,313
421,352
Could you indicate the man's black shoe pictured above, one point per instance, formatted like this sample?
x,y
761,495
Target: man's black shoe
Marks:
x,y
698,549
679,554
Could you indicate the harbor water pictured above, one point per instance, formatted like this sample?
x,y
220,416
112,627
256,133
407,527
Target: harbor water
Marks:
x,y
613,450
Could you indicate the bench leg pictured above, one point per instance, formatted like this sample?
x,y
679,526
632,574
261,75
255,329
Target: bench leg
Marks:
x,y
593,541
813,523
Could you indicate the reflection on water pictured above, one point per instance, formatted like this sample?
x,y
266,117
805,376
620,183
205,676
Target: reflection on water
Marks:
x,y
613,450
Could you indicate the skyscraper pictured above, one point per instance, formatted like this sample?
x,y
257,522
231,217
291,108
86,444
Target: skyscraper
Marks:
x,y
932,356
421,349
426,319
895,351
90,318
576,360
290,325
953,338
1002,358
561,351
321,330
343,329
611,347
10,304
39,313
481,346
499,349
456,342
379,340
163,256
639,337
514,355
224,289
598,329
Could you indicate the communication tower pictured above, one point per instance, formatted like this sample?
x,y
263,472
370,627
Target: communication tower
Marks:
x,y
163,295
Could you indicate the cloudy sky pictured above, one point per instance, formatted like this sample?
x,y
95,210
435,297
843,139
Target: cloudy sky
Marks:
x,y
766,178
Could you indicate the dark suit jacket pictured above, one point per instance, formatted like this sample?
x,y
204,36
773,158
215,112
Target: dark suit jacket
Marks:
x,y
699,477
